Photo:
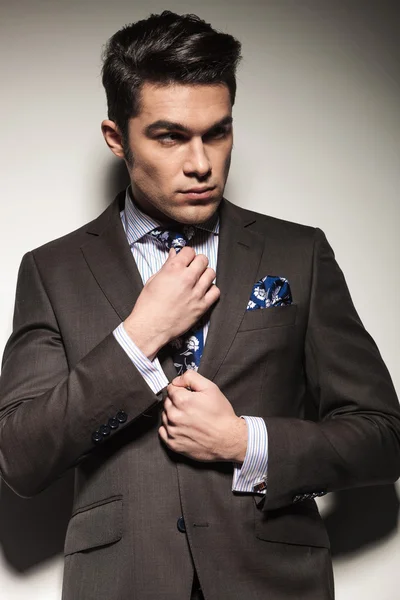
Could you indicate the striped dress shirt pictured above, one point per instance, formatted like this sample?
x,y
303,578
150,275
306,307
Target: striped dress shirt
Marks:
x,y
150,255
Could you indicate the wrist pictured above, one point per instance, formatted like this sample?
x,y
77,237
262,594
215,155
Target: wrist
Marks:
x,y
239,438
146,339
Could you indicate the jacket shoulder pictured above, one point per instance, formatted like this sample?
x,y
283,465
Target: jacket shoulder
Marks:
x,y
272,226
71,242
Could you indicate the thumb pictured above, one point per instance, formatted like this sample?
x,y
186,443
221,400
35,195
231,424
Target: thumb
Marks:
x,y
171,253
193,380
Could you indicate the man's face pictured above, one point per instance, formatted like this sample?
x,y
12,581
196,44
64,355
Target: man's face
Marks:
x,y
181,144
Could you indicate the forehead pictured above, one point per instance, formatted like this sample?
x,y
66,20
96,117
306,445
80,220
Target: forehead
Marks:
x,y
195,106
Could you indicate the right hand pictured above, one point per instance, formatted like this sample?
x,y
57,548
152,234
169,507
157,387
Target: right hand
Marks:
x,y
172,300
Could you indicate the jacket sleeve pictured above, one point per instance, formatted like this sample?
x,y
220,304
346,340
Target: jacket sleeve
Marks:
x,y
356,438
51,415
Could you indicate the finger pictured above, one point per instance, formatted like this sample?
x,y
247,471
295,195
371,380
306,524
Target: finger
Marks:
x,y
185,256
169,415
168,424
178,398
193,380
205,281
170,398
175,389
162,432
167,402
212,295
198,265
164,419
177,382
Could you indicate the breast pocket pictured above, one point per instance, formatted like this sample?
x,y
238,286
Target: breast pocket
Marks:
x,y
274,316
96,525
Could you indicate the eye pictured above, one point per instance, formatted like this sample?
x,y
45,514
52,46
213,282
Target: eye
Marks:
x,y
218,133
169,138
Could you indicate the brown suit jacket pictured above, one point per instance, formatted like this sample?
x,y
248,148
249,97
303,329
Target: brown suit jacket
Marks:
x,y
64,375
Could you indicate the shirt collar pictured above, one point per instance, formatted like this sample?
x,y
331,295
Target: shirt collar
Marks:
x,y
137,224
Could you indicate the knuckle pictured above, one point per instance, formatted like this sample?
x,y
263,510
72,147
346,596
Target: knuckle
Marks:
x,y
174,417
181,402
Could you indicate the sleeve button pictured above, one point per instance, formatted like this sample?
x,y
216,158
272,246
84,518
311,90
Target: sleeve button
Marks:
x,y
113,423
97,437
104,430
121,416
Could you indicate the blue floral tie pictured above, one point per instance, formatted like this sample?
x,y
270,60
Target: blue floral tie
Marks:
x,y
187,349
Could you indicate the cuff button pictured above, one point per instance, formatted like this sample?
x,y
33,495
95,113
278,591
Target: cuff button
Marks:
x,y
121,416
113,423
260,487
105,430
97,437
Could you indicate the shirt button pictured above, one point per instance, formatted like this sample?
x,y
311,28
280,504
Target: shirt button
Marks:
x,y
181,525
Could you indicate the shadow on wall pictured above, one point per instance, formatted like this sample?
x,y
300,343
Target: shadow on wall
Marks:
x,y
33,530
115,180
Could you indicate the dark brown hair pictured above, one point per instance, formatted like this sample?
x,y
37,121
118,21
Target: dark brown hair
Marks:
x,y
165,48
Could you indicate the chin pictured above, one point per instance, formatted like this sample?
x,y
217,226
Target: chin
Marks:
x,y
197,213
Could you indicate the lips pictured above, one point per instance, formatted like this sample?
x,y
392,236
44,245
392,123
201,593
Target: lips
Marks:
x,y
199,190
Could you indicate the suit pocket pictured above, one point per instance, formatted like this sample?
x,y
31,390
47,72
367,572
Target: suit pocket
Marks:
x,y
299,524
96,525
274,316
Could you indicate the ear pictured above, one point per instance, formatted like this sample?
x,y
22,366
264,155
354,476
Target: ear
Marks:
x,y
113,137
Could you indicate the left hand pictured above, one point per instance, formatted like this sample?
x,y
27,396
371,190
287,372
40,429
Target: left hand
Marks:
x,y
200,423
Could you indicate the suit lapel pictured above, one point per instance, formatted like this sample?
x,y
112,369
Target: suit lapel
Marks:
x,y
239,255
110,260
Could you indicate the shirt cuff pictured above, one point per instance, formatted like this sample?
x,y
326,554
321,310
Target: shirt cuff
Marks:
x,y
251,476
150,370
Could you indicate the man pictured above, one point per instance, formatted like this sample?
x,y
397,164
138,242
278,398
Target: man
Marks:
x,y
202,485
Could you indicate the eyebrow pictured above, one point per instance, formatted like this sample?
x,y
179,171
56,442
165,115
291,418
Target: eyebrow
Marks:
x,y
172,126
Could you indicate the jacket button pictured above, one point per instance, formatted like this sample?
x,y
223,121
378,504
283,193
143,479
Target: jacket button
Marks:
x,y
105,430
181,525
121,416
97,437
113,423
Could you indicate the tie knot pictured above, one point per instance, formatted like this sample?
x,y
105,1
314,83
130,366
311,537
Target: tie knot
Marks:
x,y
173,238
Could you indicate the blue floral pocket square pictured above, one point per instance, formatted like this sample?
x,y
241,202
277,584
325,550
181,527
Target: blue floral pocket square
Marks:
x,y
270,291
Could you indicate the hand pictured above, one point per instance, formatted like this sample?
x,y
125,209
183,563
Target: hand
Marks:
x,y
201,423
172,300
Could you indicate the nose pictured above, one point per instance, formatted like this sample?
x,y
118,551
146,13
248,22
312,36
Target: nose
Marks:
x,y
197,162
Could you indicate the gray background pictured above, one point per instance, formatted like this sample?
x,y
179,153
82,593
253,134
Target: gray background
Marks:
x,y
317,141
